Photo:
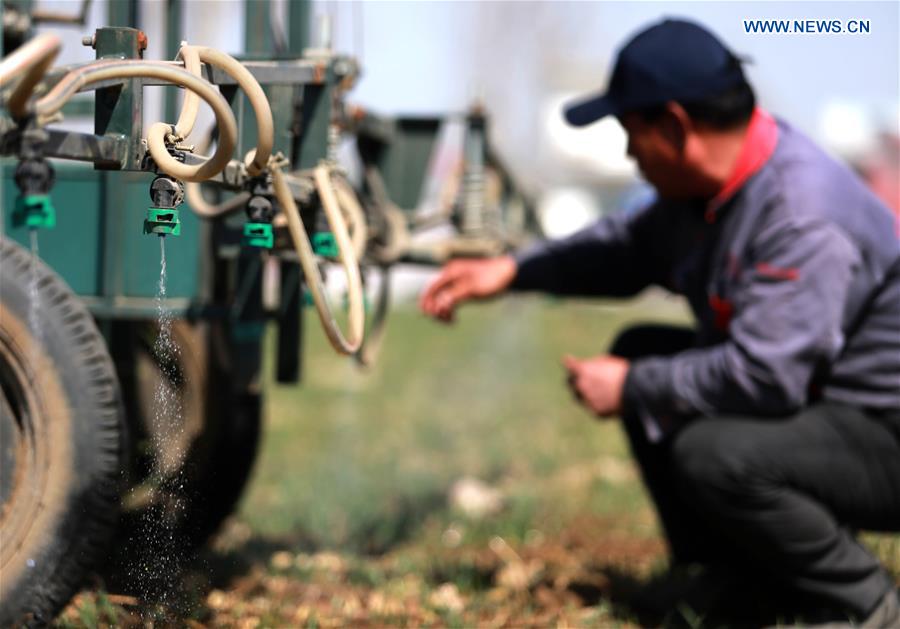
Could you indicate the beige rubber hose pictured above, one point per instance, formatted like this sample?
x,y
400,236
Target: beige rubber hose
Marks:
x,y
30,62
190,106
258,159
353,214
194,193
344,345
255,161
156,137
351,211
371,347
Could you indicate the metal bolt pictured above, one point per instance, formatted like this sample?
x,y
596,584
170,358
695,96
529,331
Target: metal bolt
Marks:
x,y
89,40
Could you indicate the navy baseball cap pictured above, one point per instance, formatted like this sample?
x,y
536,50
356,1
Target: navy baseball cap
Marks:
x,y
672,60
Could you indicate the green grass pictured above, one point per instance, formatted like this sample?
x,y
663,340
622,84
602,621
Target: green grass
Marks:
x,y
361,460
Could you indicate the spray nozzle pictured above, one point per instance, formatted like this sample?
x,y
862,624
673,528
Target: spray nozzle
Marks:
x,y
259,235
258,230
162,219
34,209
325,245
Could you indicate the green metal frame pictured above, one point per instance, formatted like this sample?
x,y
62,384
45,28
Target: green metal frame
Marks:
x,y
174,19
118,110
401,149
98,247
123,13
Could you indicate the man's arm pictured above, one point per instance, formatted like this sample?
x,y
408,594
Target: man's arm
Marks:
x,y
464,280
788,322
612,257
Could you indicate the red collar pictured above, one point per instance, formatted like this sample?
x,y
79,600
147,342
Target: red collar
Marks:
x,y
759,144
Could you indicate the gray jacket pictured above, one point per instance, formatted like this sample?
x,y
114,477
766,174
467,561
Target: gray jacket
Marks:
x,y
794,282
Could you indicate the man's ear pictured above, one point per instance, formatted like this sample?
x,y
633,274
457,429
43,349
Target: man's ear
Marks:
x,y
676,126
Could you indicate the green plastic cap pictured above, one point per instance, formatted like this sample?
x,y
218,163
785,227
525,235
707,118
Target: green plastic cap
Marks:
x,y
325,245
34,211
162,221
259,235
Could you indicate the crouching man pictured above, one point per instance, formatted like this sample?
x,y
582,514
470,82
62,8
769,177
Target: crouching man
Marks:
x,y
771,432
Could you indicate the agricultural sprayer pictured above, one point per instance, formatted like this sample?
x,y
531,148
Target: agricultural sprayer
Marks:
x,y
130,395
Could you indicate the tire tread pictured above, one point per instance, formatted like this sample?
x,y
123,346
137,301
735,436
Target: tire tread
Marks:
x,y
95,524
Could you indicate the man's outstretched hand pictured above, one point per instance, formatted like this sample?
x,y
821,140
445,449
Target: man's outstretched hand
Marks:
x,y
464,280
598,382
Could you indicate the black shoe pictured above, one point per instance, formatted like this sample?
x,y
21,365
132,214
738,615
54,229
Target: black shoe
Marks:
x,y
709,596
886,615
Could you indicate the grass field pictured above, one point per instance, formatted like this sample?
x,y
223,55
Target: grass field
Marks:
x,y
359,460
347,521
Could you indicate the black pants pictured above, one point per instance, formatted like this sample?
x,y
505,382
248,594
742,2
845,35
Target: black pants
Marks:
x,y
778,498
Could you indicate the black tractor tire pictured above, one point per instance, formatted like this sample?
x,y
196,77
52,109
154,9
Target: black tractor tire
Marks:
x,y
62,441
190,467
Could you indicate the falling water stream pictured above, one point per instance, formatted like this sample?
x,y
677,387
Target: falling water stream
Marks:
x,y
34,297
167,411
165,399
157,573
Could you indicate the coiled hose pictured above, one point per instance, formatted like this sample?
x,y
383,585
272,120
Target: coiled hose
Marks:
x,y
194,192
80,78
258,159
333,197
357,317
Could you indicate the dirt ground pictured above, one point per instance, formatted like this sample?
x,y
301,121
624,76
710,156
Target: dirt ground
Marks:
x,y
350,519
572,580
587,576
